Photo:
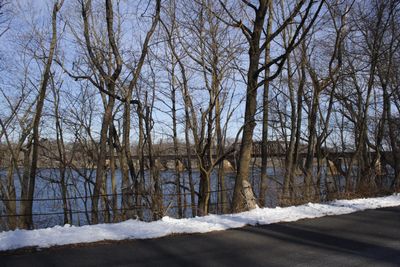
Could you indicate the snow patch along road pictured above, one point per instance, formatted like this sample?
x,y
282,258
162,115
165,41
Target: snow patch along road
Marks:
x,y
134,229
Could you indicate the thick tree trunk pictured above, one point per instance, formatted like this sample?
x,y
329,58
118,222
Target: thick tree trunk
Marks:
x,y
243,196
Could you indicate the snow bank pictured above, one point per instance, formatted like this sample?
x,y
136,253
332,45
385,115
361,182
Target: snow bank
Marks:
x,y
134,229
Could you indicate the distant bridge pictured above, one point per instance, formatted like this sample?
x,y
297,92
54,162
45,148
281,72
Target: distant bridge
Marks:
x,y
384,154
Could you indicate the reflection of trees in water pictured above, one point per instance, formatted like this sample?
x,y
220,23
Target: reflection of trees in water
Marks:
x,y
49,203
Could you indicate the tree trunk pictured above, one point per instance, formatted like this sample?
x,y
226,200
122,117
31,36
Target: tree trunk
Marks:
x,y
243,196
28,220
264,147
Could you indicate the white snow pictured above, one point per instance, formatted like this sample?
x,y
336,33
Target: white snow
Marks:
x,y
134,229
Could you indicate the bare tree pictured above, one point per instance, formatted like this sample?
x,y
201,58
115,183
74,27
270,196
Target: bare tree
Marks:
x,y
243,198
28,222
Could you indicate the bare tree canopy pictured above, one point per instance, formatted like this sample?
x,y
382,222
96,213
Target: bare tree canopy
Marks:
x,y
112,110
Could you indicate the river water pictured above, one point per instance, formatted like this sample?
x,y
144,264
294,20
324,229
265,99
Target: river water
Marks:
x,y
48,206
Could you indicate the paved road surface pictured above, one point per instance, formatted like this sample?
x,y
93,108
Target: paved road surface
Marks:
x,y
368,238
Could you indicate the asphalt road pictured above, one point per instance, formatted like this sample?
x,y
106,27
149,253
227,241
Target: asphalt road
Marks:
x,y
368,238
